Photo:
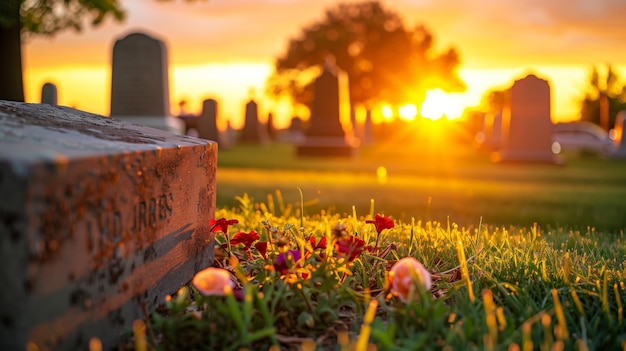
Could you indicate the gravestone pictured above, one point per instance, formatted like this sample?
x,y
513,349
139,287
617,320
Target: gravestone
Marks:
x,y
140,83
207,123
271,130
492,130
190,123
619,138
253,131
356,130
526,124
325,135
99,217
294,133
368,131
49,94
189,119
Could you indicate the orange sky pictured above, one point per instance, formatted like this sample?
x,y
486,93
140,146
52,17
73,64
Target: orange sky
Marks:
x,y
222,48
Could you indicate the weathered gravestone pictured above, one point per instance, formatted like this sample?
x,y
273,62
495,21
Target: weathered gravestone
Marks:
x,y
271,129
492,131
253,131
207,123
97,218
526,124
140,83
367,137
620,139
49,94
294,133
325,135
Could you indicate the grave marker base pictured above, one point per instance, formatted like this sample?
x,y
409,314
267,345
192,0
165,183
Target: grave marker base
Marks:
x,y
98,218
326,147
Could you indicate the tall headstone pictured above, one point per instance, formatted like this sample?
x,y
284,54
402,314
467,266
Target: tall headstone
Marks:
x,y
368,130
354,125
271,129
492,130
49,94
325,135
253,131
619,138
294,133
99,217
526,124
207,124
140,83
189,119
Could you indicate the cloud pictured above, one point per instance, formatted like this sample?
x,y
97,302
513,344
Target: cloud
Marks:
x,y
485,32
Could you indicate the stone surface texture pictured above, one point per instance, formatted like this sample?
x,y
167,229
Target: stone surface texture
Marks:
x,y
98,217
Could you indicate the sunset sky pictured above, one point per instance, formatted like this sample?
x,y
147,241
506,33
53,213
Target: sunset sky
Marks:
x,y
225,49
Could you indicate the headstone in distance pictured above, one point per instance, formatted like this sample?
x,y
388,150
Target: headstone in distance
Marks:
x,y
526,123
140,83
325,136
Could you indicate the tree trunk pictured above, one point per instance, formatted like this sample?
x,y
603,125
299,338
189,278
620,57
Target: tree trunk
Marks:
x,y
11,85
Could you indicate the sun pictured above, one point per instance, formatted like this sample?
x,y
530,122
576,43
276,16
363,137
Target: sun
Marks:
x,y
439,104
407,112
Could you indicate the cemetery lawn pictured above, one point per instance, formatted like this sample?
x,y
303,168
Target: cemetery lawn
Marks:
x,y
313,273
323,282
458,184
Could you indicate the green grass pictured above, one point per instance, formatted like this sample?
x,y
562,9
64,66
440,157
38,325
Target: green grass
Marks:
x,y
523,256
526,289
430,181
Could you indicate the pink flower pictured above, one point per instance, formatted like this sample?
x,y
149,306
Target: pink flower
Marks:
x,y
405,275
213,281
381,222
221,224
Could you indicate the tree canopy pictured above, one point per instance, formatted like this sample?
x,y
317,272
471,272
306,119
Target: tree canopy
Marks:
x,y
47,17
385,61
606,92
20,18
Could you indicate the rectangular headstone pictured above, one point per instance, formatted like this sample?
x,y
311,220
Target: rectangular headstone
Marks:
x,y
325,136
526,124
140,83
97,217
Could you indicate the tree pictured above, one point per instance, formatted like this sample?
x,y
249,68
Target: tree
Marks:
x,y
21,18
384,60
604,99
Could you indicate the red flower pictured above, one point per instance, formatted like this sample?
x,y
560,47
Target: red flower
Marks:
x,y
221,224
320,245
351,247
381,222
262,248
245,238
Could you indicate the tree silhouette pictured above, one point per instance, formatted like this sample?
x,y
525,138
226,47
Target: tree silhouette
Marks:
x,y
604,99
21,18
384,60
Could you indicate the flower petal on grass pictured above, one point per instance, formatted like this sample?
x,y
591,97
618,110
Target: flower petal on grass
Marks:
x,y
403,274
212,281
